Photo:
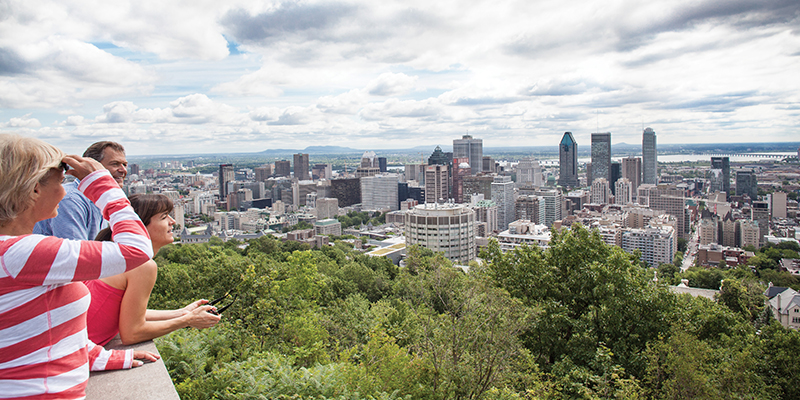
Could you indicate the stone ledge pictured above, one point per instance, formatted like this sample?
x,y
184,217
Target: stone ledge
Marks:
x,y
150,381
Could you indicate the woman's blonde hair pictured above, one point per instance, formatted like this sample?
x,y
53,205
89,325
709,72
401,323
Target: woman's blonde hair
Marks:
x,y
24,162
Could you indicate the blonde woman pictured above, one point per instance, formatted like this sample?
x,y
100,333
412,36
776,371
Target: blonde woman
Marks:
x,y
44,349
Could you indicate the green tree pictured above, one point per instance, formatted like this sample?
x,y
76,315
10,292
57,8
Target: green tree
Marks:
x,y
585,292
747,299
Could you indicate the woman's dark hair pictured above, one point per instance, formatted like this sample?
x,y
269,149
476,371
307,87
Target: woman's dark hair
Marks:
x,y
146,206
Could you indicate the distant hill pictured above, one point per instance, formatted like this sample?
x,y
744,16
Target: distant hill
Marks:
x,y
584,150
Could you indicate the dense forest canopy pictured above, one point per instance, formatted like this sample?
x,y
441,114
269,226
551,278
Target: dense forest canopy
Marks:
x,y
579,320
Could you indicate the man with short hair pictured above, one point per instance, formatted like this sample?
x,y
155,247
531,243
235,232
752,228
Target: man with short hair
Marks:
x,y
78,218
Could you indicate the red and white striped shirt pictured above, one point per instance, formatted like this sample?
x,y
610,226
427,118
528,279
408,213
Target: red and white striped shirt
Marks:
x,y
44,349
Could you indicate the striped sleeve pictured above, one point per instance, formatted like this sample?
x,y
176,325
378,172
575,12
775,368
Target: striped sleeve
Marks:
x,y
45,260
101,359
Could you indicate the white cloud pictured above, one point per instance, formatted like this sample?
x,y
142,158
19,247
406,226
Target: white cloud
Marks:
x,y
389,84
333,72
22,122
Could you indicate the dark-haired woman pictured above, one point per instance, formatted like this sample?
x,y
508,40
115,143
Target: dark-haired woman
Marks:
x,y
119,303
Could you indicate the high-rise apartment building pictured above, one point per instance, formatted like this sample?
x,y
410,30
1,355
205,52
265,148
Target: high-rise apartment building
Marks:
x,y
667,198
226,174
707,231
302,167
601,156
778,204
461,169
568,161
749,233
477,184
624,191
327,208
283,168
436,183
649,157
632,171
727,231
529,207
747,183
486,212
723,164
503,196
470,148
447,228
760,213
600,193
552,205
657,245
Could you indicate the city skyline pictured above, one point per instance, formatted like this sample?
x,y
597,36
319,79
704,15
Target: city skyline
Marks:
x,y
167,78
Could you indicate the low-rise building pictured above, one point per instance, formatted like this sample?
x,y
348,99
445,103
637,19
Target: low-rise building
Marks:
x,y
328,227
522,232
785,305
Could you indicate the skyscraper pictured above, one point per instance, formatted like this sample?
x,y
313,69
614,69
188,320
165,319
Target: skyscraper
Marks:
x,y
226,174
347,191
616,173
601,156
436,183
379,192
301,167
503,196
382,164
439,157
632,170
649,157
724,164
283,168
467,147
746,183
568,161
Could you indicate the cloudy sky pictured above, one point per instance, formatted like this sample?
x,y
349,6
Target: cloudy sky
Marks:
x,y
204,76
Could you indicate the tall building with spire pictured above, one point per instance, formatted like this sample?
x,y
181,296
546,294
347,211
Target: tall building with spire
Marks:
x,y
601,157
467,147
568,161
649,157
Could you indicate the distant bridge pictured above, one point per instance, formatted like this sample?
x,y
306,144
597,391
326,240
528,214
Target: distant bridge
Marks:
x,y
754,155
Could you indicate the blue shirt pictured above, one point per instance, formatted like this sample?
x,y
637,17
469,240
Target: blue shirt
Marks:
x,y
78,218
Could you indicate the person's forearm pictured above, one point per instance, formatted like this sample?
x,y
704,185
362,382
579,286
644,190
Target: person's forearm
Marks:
x,y
151,330
161,315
